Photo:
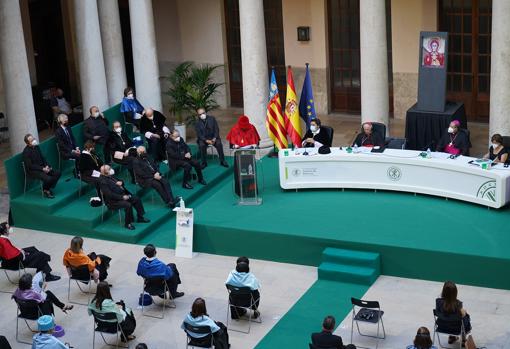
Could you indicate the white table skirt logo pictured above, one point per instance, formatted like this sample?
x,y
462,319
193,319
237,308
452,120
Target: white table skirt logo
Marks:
x,y
487,191
394,173
296,172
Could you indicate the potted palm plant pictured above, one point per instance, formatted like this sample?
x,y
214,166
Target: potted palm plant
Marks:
x,y
177,91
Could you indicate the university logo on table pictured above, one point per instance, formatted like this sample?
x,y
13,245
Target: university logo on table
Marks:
x,y
487,191
394,173
296,172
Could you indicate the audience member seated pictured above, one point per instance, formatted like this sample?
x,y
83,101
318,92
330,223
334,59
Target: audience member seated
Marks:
x,y
497,152
448,304
103,303
130,107
97,265
198,317
148,176
422,340
208,133
90,165
34,289
179,156
316,136
116,196
241,277
95,127
368,138
31,257
59,104
65,139
37,167
152,126
45,338
326,338
119,144
243,135
454,141
151,267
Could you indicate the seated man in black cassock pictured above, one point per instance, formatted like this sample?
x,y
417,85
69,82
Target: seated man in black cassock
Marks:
x,y
208,134
316,137
179,155
152,126
90,165
119,144
116,196
368,138
65,139
148,176
454,141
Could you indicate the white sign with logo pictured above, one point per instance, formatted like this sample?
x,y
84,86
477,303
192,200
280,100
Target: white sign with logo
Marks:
x,y
184,232
400,170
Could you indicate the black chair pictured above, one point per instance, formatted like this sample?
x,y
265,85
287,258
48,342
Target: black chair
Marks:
x,y
80,275
204,342
156,286
242,298
28,311
448,324
506,142
20,267
468,135
27,179
330,132
396,143
4,343
103,210
107,323
368,312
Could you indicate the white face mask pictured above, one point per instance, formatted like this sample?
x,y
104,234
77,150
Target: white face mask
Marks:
x,y
34,142
495,145
130,96
177,139
203,116
450,130
11,230
314,128
118,129
95,115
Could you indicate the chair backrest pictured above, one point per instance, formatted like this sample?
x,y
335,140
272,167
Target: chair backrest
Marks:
x,y
196,329
28,309
241,296
104,317
448,323
397,143
468,135
80,273
365,304
330,131
379,128
155,285
506,142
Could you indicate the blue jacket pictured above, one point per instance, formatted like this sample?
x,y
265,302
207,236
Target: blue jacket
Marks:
x,y
47,341
153,268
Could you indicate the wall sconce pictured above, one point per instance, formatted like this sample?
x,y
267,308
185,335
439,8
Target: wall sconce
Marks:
x,y
303,33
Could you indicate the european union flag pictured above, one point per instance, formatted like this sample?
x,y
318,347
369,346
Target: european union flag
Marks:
x,y
306,103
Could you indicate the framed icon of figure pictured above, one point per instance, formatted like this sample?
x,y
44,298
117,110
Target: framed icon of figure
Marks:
x,y
433,54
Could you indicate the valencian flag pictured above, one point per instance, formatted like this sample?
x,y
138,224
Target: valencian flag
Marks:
x,y
292,120
306,105
274,118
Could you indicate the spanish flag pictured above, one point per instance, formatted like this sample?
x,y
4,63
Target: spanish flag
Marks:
x,y
274,118
292,119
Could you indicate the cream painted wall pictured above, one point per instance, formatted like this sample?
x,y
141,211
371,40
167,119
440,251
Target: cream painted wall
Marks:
x,y
168,33
310,13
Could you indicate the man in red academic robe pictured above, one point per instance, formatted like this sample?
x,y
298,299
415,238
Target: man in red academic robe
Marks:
x,y
243,135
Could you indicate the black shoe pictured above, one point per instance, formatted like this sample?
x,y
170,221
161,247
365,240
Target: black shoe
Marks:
x,y
51,277
202,181
236,314
203,164
224,163
48,194
129,226
256,314
186,185
143,220
171,204
178,294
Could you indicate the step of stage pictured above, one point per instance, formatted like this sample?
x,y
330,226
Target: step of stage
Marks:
x,y
349,266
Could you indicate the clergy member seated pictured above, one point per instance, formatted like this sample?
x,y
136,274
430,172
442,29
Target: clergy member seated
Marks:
x,y
37,167
241,277
455,141
316,136
90,165
95,127
119,144
179,156
152,126
31,257
208,134
148,176
130,107
368,138
151,267
45,338
116,196
243,135
497,152
326,338
65,139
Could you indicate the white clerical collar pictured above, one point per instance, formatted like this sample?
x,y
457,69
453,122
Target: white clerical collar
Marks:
x,y
85,152
316,132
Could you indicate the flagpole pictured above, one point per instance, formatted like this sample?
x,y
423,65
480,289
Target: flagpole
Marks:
x,y
274,152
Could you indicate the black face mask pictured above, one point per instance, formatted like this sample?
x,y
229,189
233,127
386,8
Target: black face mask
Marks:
x,y
60,97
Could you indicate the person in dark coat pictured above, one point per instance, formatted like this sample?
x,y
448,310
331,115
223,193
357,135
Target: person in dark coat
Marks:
x,y
179,156
368,138
326,338
152,126
455,141
95,127
37,167
90,165
316,136
208,133
65,139
119,142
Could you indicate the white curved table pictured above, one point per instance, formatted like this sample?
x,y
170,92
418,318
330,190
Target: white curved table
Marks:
x,y
400,170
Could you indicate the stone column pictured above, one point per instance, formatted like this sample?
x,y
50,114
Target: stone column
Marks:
x,y
374,62
254,65
15,75
499,121
145,56
90,56
113,51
